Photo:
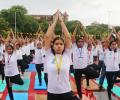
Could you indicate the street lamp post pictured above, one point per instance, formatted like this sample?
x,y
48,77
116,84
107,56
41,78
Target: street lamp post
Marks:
x,y
109,14
15,24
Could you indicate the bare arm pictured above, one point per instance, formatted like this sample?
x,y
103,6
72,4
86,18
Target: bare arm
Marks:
x,y
49,34
66,33
74,34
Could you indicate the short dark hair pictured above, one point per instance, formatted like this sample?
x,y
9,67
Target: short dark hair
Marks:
x,y
80,38
112,42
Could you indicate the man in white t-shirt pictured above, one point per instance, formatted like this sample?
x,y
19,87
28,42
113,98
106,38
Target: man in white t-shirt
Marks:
x,y
80,62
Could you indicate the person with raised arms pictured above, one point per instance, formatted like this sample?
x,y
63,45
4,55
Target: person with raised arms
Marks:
x,y
58,60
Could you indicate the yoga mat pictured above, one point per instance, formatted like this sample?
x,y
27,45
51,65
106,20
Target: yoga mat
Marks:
x,y
0,96
27,75
72,74
103,96
38,87
2,86
104,84
116,90
23,87
19,96
31,68
36,77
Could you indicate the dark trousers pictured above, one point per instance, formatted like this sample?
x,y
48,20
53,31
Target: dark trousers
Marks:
x,y
46,78
64,96
78,77
14,79
103,73
39,70
111,78
21,67
2,70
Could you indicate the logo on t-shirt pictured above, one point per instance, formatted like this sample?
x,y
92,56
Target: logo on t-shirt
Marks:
x,y
53,61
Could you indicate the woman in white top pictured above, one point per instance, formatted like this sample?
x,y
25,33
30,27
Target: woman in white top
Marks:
x,y
90,55
58,63
19,57
11,69
112,61
38,59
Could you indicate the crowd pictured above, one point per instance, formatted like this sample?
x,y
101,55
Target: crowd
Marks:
x,y
87,57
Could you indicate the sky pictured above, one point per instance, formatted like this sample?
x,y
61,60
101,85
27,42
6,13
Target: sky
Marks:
x,y
87,11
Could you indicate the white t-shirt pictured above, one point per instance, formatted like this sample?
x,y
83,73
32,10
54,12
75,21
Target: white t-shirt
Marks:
x,y
11,68
101,54
19,54
58,84
25,50
80,55
90,55
32,47
112,60
38,58
1,51
95,50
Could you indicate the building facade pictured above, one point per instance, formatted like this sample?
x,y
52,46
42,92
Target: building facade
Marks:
x,y
50,18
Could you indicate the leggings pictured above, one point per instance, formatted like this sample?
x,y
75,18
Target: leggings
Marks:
x,y
78,77
111,78
2,71
46,78
64,96
39,69
13,79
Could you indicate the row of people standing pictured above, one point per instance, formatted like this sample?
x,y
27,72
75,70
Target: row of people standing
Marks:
x,y
57,56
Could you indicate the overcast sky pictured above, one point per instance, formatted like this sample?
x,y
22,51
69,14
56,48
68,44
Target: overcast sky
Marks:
x,y
87,11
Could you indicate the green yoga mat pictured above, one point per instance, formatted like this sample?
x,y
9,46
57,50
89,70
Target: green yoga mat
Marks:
x,y
104,84
2,86
24,87
116,90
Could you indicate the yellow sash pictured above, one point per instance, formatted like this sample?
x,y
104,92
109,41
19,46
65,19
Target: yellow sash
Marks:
x,y
58,65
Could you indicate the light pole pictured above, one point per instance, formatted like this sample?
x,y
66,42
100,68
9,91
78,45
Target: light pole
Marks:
x,y
109,14
15,23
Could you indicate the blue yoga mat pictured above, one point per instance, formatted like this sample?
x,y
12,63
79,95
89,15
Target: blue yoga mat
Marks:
x,y
36,77
19,96
2,86
31,68
23,87
38,87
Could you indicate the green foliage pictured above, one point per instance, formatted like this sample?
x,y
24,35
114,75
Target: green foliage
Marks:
x,y
28,24
3,25
24,23
44,25
97,29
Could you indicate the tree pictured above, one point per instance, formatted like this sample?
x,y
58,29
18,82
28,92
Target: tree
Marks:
x,y
98,30
24,23
44,25
30,25
3,25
